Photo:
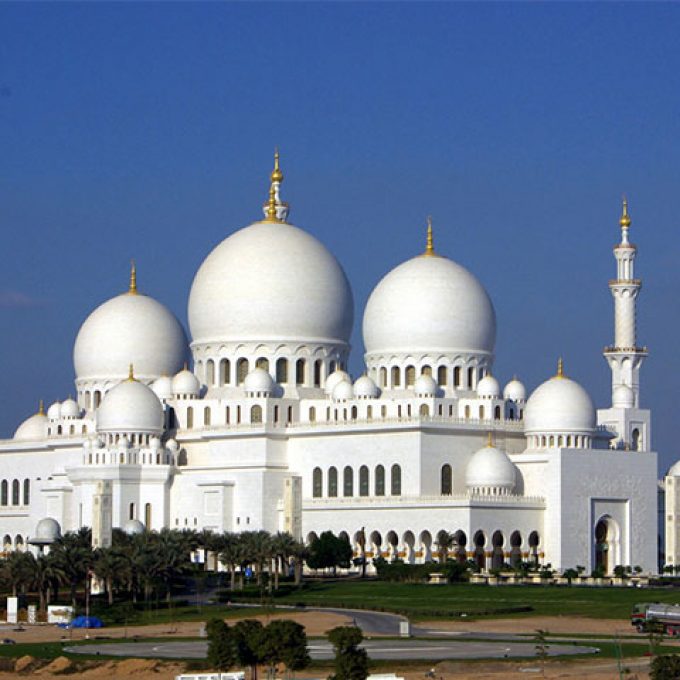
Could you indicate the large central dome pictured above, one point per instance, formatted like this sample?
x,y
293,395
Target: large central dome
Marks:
x,y
270,281
427,304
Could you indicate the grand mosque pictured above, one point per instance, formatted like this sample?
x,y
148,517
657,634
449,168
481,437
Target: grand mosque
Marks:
x,y
254,422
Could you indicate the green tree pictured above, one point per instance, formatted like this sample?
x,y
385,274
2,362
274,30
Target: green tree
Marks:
x,y
329,551
231,554
47,575
665,667
570,575
445,541
17,571
248,636
109,565
285,641
221,645
351,663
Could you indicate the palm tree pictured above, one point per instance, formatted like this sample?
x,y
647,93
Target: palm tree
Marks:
x,y
73,554
231,554
299,553
445,541
17,571
206,539
283,545
109,566
259,545
47,575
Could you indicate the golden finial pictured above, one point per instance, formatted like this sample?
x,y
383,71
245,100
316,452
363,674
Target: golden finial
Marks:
x,y
41,408
277,175
186,366
625,218
271,205
429,244
131,373
560,368
133,278
489,440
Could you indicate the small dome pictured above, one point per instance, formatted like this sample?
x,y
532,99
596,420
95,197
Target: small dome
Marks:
x,y
337,376
425,386
133,527
559,405
70,409
674,470
186,383
488,387
33,428
429,304
130,406
343,391
154,443
490,468
47,530
163,387
172,445
54,411
515,391
129,328
365,388
258,383
623,397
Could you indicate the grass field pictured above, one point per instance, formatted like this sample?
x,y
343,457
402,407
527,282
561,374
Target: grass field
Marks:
x,y
422,601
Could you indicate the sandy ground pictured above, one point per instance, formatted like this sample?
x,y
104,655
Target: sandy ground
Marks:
x,y
316,624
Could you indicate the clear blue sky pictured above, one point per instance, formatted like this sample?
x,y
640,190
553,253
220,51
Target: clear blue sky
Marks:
x,y
146,131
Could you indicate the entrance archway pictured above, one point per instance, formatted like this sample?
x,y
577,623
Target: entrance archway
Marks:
x,y
607,544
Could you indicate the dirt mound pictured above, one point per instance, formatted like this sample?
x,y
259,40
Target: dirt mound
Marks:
x,y
132,666
25,663
60,665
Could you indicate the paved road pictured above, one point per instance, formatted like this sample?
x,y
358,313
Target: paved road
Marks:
x,y
431,650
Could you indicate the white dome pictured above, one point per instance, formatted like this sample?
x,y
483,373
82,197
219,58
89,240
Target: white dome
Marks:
x,y
490,467
70,409
559,405
343,391
337,376
33,428
163,387
185,382
425,386
429,304
270,282
488,387
47,530
130,406
258,382
129,329
155,443
365,388
515,391
54,411
623,397
172,445
133,527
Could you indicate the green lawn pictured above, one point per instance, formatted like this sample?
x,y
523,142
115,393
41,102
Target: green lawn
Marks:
x,y
422,601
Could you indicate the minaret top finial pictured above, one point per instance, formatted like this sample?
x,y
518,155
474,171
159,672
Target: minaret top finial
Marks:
x,y
625,218
133,278
131,373
429,243
277,175
41,408
560,368
273,205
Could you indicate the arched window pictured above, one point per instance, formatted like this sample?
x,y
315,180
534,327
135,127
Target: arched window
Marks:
x,y
190,417
210,372
227,415
426,370
225,370
317,483
456,376
312,414
383,377
348,481
467,411
379,480
206,416
410,375
131,511
238,415
300,372
369,412
471,377
447,480
256,414
395,488
241,370
363,481
290,415
317,373
27,491
396,376
332,482
97,398
635,443
355,413
147,515
4,492
282,370
263,363
442,376
424,410
15,492
481,413
497,413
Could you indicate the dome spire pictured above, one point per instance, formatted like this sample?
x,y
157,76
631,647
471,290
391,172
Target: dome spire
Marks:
x,y
41,408
429,243
489,440
133,278
275,210
560,368
131,373
624,221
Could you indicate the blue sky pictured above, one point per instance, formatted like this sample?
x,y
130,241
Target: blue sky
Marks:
x,y
147,130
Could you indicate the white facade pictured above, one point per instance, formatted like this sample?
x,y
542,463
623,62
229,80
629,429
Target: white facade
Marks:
x,y
268,431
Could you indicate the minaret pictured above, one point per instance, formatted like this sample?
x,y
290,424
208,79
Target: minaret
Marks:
x,y
625,357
